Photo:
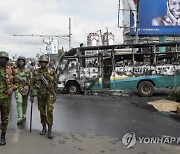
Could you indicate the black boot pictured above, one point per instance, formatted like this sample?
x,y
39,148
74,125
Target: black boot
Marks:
x,y
49,135
43,130
19,122
3,139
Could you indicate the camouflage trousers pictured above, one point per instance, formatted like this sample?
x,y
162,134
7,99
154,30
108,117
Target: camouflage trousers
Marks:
x,y
45,106
21,105
4,109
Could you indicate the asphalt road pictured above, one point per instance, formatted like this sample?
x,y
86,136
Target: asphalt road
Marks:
x,y
102,115
92,116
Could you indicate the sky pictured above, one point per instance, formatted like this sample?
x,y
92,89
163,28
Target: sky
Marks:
x,y
51,17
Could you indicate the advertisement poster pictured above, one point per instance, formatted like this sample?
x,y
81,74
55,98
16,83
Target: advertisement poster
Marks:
x,y
158,17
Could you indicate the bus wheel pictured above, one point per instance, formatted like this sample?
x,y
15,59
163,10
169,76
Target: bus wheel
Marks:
x,y
73,88
146,88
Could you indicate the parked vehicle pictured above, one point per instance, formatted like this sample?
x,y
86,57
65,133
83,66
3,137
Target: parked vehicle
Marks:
x,y
127,66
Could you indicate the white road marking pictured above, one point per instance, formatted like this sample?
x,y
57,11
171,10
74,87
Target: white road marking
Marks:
x,y
16,135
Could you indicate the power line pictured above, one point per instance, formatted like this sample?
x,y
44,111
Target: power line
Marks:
x,y
33,35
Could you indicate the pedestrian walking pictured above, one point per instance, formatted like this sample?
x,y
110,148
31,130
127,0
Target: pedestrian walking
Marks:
x,y
22,88
45,81
6,90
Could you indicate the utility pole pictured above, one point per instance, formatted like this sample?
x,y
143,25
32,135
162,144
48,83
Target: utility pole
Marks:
x,y
137,22
69,33
119,8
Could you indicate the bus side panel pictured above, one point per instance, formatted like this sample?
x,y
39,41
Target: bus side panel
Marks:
x,y
127,83
163,81
160,81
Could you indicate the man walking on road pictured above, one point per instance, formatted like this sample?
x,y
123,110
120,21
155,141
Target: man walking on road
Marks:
x,y
6,90
45,81
22,87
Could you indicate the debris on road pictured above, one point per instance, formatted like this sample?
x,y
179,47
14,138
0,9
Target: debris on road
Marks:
x,y
165,105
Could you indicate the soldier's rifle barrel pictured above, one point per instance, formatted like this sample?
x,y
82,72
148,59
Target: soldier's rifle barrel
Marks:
x,y
48,85
22,80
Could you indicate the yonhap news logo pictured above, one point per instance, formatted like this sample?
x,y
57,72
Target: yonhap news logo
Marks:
x,y
130,139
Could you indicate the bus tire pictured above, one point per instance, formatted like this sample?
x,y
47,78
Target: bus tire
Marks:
x,y
73,88
146,89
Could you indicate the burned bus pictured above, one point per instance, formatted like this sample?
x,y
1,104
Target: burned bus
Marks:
x,y
127,66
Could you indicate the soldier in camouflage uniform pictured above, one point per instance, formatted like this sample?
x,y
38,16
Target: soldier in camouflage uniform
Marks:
x,y
6,90
22,87
45,97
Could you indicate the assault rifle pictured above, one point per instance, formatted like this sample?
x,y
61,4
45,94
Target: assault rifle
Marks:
x,y
22,80
48,85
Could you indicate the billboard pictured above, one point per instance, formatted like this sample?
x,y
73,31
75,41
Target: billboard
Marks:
x,y
158,17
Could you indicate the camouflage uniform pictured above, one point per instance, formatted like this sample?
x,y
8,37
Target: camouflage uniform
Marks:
x,y
45,98
6,82
6,77
22,89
